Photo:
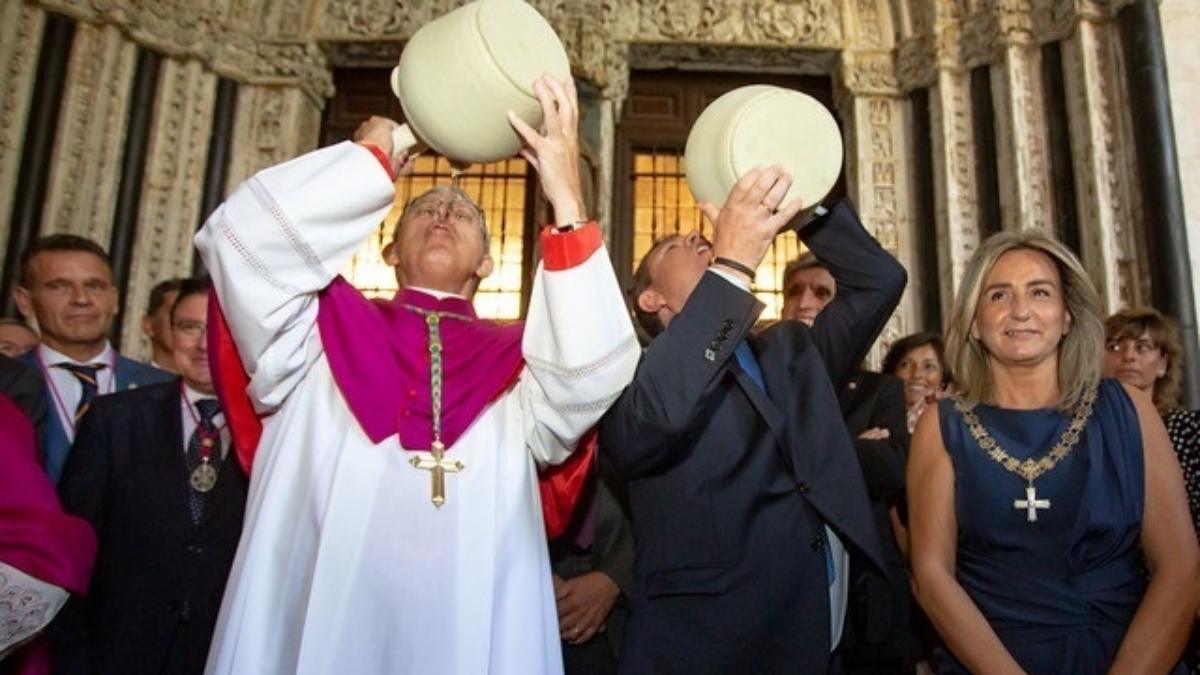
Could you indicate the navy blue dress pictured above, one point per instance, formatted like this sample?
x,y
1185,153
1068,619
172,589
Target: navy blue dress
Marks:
x,y
1059,592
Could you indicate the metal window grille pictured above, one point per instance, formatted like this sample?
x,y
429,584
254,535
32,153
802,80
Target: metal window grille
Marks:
x,y
500,190
663,205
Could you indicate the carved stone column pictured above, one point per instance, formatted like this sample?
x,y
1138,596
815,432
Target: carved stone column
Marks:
x,y
1022,144
880,183
273,124
953,179
876,120
171,188
20,39
88,146
1106,193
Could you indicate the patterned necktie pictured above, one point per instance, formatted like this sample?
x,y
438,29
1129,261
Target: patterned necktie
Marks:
x,y
205,428
91,385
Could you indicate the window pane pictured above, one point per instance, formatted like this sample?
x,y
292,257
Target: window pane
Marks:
x,y
663,205
499,189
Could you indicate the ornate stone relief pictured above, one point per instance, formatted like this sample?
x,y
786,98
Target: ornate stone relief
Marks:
x,y
20,39
881,189
254,42
273,124
953,179
1022,141
171,189
85,165
1105,214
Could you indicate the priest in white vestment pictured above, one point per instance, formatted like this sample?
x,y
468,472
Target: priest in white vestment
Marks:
x,y
346,565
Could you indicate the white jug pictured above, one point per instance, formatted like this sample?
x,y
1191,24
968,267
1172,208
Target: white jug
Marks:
x,y
763,125
461,73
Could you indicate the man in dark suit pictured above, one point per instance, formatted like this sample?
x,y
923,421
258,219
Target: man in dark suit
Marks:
x,y
879,637
66,283
150,473
745,491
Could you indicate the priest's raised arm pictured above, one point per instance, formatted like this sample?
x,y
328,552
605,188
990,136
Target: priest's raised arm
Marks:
x,y
278,240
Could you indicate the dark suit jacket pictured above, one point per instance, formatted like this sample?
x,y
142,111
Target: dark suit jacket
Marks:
x,y
158,579
54,440
23,383
879,633
730,485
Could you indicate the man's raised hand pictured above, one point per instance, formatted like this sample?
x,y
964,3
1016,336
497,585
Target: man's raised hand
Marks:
x,y
745,226
377,131
555,154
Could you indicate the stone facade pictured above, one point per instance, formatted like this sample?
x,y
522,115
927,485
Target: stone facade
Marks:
x,y
281,53
1181,24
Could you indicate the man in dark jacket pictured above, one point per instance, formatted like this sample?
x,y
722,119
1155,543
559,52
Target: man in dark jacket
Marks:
x,y
746,495
150,472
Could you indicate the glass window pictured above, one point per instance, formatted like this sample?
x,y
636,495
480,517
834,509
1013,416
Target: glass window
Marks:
x,y
500,190
663,205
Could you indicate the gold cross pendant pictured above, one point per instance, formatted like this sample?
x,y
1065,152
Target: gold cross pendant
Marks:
x,y
437,468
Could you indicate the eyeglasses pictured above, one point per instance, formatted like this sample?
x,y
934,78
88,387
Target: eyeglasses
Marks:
x,y
190,329
458,211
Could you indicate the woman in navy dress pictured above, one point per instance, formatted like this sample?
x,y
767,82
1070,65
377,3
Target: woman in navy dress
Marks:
x,y
1034,493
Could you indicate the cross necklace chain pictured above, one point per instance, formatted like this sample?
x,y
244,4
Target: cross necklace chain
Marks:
x,y
436,464
1030,469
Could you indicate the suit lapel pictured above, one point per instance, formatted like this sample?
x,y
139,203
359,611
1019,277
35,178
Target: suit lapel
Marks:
x,y
760,400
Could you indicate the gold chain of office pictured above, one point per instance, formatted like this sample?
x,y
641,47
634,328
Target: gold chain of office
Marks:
x,y
1030,469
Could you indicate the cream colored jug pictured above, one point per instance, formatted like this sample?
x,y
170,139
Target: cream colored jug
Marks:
x,y
461,73
763,125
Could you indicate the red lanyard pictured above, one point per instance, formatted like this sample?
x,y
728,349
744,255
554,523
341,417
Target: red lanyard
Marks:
x,y
208,439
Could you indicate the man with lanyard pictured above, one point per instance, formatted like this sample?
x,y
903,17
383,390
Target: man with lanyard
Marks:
x,y
149,473
66,284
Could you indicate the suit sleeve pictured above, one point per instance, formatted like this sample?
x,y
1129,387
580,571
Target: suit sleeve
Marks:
x,y
677,380
869,284
82,490
883,461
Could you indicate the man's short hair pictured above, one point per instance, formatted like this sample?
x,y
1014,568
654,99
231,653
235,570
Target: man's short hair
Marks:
x,y
158,294
648,323
189,287
807,260
60,242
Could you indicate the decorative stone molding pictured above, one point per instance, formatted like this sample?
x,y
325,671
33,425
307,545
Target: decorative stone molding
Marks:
x,y
868,73
956,211
273,124
85,165
171,189
20,39
880,186
1101,181
916,62
252,41
1022,143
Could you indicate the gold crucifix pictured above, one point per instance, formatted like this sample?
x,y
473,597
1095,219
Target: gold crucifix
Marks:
x,y
438,468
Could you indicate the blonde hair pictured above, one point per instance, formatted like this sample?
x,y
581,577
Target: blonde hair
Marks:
x,y
1164,332
1080,351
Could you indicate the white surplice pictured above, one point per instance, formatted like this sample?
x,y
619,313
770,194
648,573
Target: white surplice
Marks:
x,y
344,565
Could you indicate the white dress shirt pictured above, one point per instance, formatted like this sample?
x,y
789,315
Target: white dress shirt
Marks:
x,y
66,389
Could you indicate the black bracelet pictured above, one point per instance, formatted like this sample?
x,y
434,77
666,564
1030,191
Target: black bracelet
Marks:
x,y
734,265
